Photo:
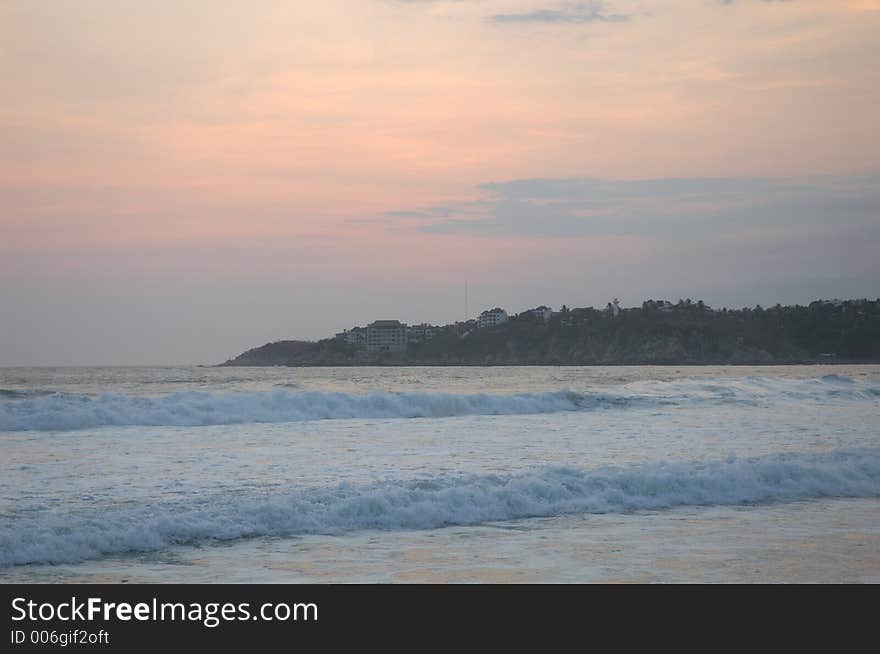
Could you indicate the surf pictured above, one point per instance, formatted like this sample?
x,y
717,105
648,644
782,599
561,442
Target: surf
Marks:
x,y
55,536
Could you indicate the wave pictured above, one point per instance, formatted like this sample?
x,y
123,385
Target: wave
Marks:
x,y
17,394
188,409
65,411
60,537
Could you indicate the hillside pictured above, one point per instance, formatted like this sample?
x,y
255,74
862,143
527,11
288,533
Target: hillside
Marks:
x,y
655,333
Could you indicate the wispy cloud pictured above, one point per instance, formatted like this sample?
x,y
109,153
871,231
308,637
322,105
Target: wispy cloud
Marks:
x,y
730,2
574,13
656,208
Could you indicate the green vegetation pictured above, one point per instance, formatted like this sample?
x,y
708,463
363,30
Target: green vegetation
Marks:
x,y
656,333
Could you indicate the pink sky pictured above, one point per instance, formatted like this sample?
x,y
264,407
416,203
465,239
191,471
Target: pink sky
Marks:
x,y
248,154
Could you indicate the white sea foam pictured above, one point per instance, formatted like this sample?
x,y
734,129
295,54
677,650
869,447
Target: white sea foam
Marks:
x,y
56,537
64,411
67,412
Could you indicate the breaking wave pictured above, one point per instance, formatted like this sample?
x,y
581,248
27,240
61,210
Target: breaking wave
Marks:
x,y
59,536
16,394
68,412
64,411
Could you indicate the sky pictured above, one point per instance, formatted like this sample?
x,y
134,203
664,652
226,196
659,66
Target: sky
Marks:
x,y
181,181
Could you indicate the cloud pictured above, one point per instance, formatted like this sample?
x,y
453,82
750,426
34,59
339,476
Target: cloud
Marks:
x,y
686,208
730,2
574,13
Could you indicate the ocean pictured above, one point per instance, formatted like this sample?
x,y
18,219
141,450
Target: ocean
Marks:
x,y
458,474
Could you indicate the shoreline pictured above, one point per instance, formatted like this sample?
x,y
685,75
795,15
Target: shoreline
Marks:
x,y
545,365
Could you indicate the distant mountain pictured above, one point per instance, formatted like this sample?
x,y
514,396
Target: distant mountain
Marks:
x,y
835,331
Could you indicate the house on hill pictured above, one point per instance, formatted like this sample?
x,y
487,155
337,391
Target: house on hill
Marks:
x,y
492,317
355,336
542,312
419,333
386,336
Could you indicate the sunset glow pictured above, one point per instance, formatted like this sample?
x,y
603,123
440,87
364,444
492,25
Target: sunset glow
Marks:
x,y
218,174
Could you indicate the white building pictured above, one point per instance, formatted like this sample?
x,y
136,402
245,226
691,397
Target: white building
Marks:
x,y
354,336
542,312
386,336
423,332
492,317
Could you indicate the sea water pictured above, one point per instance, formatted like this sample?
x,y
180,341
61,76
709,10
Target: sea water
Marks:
x,y
449,474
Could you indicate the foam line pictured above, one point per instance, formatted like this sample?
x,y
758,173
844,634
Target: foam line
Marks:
x,y
63,411
59,536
